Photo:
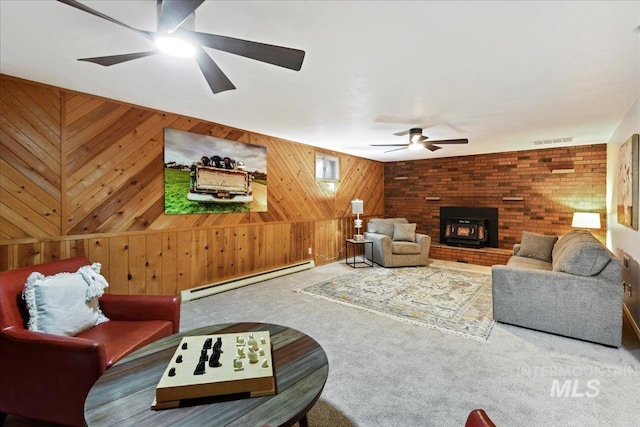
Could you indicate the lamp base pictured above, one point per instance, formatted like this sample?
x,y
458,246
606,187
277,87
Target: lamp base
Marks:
x,y
358,237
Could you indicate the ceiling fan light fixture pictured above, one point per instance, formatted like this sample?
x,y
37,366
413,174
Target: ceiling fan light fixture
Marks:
x,y
175,47
415,135
415,146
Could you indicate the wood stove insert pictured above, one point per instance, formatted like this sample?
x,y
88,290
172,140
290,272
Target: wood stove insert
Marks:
x,y
490,214
467,232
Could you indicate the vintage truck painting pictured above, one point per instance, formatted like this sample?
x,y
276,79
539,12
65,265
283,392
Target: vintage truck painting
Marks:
x,y
220,180
206,174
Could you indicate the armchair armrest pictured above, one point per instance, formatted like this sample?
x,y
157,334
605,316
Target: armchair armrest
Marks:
x,y
479,418
142,307
46,360
381,247
424,240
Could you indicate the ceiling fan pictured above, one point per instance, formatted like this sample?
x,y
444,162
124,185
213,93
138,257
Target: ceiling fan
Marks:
x,y
174,28
417,141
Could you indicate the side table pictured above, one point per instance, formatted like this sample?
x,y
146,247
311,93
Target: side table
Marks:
x,y
353,244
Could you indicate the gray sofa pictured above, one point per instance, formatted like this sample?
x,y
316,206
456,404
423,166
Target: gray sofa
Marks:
x,y
572,287
395,243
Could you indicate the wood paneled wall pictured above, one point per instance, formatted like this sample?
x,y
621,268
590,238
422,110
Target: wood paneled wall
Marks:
x,y
81,174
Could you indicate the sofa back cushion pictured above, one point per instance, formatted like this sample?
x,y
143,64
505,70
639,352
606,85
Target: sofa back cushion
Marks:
x,y
580,253
384,225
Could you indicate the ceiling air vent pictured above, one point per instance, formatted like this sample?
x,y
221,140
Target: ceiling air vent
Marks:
x,y
553,141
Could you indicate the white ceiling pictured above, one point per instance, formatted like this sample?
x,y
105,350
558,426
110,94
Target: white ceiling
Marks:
x,y
501,74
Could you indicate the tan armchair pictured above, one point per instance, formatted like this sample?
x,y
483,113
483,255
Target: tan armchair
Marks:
x,y
395,244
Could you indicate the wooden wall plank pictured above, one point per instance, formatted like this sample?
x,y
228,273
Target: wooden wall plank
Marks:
x,y
98,251
184,261
169,263
153,264
119,265
137,261
218,254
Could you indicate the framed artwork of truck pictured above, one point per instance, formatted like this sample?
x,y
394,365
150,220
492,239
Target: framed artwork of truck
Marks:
x,y
205,174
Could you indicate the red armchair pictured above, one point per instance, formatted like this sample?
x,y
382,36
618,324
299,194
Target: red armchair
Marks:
x,y
48,377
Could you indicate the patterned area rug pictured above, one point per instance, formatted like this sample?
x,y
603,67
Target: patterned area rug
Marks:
x,y
450,300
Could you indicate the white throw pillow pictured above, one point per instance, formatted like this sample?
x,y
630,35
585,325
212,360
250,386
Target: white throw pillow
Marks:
x,y
66,303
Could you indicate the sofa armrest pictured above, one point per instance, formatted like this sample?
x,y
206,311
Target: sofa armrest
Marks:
x,y
516,248
142,307
46,360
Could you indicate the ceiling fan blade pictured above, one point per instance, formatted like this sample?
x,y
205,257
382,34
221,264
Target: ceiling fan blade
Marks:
x,y
389,145
277,55
396,149
172,13
117,59
402,133
218,81
431,147
450,141
82,7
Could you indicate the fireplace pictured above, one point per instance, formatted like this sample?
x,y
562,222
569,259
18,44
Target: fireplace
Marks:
x,y
467,232
469,227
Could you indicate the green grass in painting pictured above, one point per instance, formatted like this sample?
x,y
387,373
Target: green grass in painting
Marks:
x,y
176,188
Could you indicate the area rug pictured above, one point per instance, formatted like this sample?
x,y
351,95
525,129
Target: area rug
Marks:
x,y
450,300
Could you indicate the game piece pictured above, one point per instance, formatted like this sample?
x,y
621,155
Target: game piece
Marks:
x,y
214,360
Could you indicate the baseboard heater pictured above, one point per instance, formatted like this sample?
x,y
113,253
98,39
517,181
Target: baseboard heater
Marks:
x,y
238,282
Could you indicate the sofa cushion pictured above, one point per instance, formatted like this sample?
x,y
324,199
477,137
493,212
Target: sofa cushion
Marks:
x,y
581,254
525,262
65,303
537,246
405,248
384,225
404,232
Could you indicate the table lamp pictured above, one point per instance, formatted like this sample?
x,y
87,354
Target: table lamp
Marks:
x,y
586,220
357,207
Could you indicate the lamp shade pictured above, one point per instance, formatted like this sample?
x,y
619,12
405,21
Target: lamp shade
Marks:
x,y
357,206
586,220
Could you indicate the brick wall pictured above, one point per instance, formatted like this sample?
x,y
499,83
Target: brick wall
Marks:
x,y
548,199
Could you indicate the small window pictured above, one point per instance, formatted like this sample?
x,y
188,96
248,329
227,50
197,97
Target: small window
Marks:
x,y
327,168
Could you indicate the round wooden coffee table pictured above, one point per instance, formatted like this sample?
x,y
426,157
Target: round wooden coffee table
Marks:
x,y
123,395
